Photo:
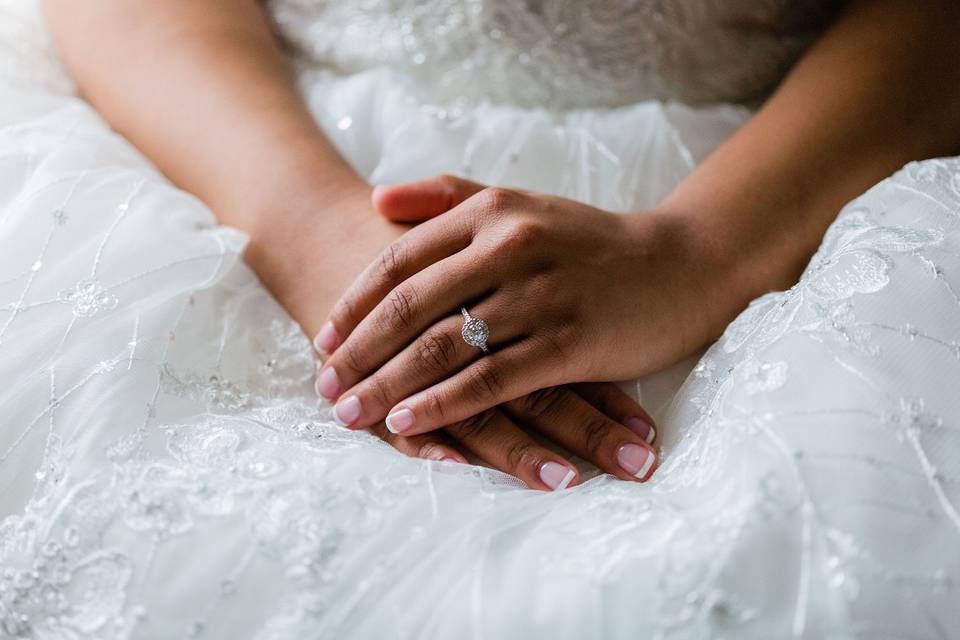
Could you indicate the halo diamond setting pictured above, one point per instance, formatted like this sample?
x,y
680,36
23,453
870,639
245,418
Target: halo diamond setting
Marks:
x,y
475,331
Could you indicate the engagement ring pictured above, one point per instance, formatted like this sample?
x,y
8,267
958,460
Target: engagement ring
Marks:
x,y
475,331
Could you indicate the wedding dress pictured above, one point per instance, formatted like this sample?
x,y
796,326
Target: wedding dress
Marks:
x,y
167,472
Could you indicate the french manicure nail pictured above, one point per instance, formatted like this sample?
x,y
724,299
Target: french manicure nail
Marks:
x,y
400,421
326,340
635,460
436,454
439,454
328,383
556,476
642,428
347,410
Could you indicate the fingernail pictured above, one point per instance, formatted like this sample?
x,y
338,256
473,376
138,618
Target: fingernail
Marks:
x,y
347,410
642,428
400,421
440,454
328,383
556,476
326,340
435,453
635,460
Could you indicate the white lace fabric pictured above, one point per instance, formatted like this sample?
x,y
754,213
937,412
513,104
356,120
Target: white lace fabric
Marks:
x,y
166,471
560,54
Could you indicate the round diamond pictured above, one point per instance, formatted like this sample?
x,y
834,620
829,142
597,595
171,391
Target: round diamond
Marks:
x,y
475,333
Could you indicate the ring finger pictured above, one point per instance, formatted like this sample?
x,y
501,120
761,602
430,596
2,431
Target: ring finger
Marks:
x,y
499,442
406,311
435,355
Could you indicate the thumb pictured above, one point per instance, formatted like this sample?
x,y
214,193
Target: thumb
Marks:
x,y
422,200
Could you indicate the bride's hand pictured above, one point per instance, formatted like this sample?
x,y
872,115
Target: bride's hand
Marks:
x,y
596,421
305,267
588,419
569,293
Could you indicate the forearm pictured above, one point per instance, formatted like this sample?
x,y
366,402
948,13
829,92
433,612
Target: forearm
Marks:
x,y
881,88
201,88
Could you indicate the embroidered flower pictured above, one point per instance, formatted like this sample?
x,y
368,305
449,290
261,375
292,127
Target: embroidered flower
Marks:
x,y
856,255
763,376
215,391
840,324
89,297
65,593
912,417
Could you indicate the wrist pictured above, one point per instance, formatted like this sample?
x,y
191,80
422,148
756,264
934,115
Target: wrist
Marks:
x,y
302,209
307,187
710,281
299,234
309,251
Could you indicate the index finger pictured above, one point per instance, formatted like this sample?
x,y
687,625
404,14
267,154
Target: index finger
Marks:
x,y
409,254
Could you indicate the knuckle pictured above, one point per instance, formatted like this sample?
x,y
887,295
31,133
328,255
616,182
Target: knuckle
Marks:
x,y
522,454
392,262
352,359
542,403
486,384
400,308
519,238
594,434
473,427
496,198
436,351
378,390
435,405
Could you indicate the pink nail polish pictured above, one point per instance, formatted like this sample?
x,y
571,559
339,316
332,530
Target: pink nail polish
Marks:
x,y
642,428
328,383
326,340
400,421
442,455
556,476
635,460
347,410
437,454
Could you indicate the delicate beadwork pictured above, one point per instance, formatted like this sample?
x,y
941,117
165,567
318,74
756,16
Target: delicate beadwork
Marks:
x,y
559,53
802,468
89,297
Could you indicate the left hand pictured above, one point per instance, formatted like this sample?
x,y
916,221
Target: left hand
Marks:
x,y
570,293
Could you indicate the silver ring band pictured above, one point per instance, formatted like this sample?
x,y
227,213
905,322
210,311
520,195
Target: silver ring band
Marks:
x,y
475,331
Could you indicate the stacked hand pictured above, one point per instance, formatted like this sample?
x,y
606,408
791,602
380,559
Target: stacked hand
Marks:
x,y
570,293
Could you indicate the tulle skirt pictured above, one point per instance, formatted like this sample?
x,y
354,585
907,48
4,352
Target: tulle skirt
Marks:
x,y
167,471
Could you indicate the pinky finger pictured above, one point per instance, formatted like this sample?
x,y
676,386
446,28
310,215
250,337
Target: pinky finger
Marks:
x,y
429,446
614,402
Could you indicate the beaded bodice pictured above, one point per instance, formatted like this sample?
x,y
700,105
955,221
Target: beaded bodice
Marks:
x,y
561,54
